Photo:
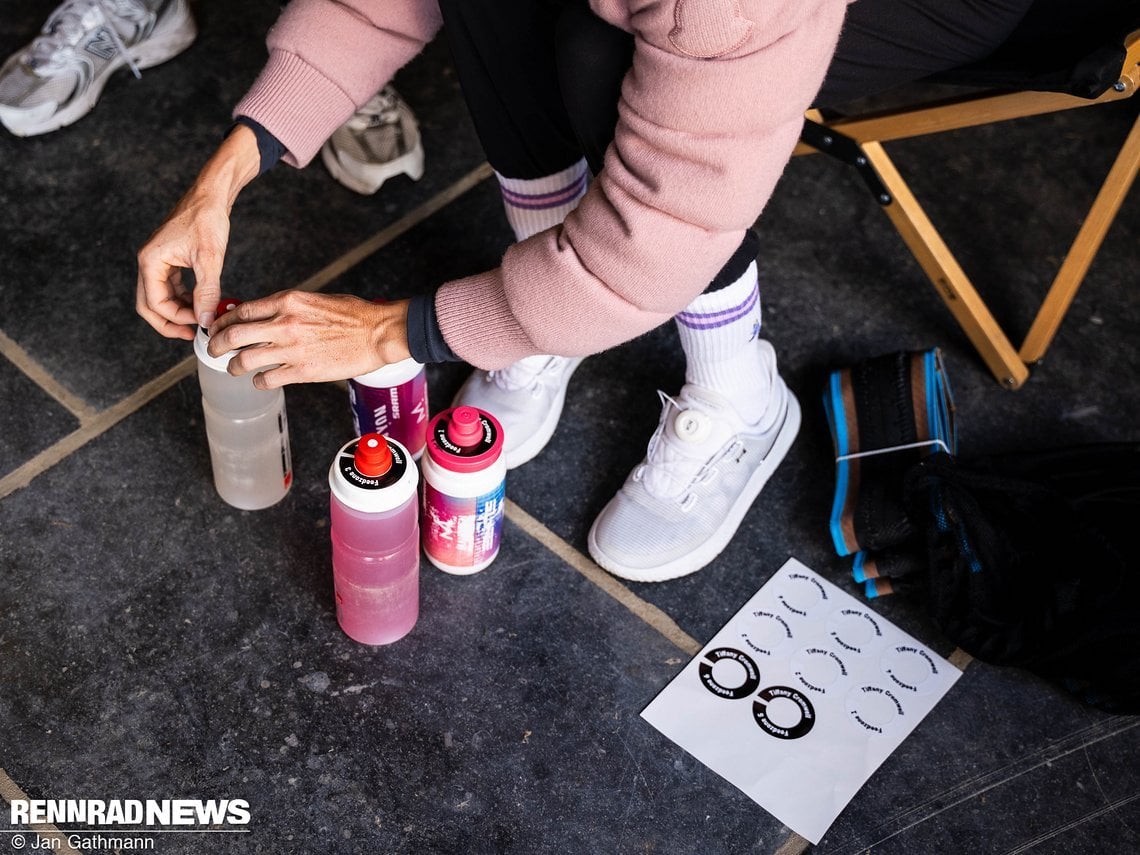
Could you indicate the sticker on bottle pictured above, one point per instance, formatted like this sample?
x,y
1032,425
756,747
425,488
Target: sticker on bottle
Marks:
x,y
463,531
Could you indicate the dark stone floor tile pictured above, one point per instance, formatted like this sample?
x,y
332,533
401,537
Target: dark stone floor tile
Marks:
x,y
75,205
166,645
1005,763
30,419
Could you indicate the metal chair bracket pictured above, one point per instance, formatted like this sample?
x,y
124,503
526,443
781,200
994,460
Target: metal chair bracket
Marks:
x,y
846,150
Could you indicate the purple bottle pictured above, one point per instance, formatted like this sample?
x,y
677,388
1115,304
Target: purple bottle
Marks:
x,y
375,539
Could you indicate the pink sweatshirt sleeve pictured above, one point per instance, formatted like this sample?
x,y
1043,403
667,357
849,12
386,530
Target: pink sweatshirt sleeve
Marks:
x,y
708,117
326,58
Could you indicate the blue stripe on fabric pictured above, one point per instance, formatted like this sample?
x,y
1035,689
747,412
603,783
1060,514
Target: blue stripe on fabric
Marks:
x,y
837,419
859,567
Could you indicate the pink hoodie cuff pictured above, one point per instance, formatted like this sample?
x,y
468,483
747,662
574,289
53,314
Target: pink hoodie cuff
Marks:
x,y
477,322
297,104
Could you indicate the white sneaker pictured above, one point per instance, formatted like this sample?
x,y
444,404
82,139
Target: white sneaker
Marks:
x,y
526,398
381,140
681,506
57,79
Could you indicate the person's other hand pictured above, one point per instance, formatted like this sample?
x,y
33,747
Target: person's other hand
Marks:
x,y
300,337
194,237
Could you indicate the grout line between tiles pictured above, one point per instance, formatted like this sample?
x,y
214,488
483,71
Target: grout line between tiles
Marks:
x,y
388,234
960,659
42,378
647,612
10,791
794,845
652,615
93,427
93,423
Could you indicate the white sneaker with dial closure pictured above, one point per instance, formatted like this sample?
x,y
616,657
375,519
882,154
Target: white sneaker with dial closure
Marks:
x,y
681,506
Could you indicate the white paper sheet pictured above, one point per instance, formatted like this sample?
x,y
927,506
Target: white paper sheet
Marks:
x,y
800,697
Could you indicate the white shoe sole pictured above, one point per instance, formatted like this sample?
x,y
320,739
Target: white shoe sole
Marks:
x,y
367,178
154,51
719,539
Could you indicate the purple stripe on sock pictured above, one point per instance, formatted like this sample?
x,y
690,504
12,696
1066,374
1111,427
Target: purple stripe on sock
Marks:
x,y
539,201
697,321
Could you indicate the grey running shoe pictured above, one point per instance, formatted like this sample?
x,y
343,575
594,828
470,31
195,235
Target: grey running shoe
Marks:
x,y
527,399
382,139
681,506
57,79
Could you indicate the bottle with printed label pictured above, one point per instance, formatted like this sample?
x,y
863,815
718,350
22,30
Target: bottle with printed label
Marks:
x,y
375,539
464,490
247,430
393,401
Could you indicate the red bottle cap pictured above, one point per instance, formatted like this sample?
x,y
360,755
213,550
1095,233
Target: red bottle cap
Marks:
x,y
465,428
464,439
227,304
373,457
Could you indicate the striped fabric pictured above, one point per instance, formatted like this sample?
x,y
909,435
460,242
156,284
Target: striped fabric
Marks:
x,y
534,205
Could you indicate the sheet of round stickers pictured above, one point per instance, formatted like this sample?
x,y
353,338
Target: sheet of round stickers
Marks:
x,y
800,697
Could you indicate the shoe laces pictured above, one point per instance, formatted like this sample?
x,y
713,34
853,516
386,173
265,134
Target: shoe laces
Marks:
x,y
381,109
531,373
686,457
73,20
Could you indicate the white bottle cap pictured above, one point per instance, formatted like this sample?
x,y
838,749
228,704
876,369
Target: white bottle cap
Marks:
x,y
392,374
202,341
368,477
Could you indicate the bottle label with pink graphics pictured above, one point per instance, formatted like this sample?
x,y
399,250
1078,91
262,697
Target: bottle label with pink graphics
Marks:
x,y
399,412
463,531
464,495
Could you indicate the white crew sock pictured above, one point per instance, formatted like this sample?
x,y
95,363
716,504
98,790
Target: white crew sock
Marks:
x,y
720,334
534,205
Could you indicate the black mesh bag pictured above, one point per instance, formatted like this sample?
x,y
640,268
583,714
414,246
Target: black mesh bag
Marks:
x,y
1033,562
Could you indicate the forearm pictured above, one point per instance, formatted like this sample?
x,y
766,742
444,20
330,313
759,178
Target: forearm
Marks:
x,y
236,163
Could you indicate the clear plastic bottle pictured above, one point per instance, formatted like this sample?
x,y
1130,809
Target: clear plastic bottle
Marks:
x,y
392,401
464,494
247,430
375,539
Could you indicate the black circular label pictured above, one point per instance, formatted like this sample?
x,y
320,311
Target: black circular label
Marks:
x,y
751,679
772,693
346,465
485,444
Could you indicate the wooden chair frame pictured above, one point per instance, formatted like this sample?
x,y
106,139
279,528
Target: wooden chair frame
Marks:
x,y
1009,365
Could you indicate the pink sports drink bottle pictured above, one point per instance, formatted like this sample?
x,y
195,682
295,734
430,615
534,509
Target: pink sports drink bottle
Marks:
x,y
464,490
375,539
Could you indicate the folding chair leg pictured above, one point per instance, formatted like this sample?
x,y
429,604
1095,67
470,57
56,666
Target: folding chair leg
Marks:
x,y
947,275
1084,249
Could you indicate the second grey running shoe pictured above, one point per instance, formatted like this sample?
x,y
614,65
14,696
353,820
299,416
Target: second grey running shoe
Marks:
x,y
381,140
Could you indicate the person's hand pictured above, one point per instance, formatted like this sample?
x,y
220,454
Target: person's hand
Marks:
x,y
300,337
194,237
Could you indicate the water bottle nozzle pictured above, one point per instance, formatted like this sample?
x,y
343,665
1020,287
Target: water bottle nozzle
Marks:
x,y
373,458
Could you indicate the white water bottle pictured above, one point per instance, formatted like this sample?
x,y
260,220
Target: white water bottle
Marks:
x,y
246,428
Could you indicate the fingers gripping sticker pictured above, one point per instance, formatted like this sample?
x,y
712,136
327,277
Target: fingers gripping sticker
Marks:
x,y
706,29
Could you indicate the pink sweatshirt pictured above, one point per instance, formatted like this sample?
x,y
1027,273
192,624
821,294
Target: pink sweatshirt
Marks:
x,y
708,117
